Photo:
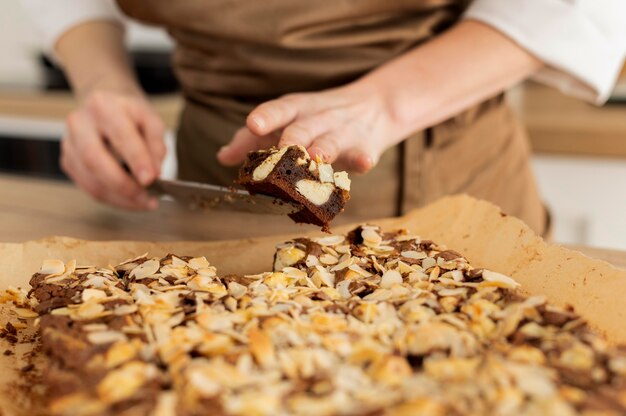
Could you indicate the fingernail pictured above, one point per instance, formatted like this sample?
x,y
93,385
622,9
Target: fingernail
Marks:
x,y
222,149
258,121
144,176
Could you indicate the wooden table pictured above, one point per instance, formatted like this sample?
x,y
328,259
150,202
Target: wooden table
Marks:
x,y
35,208
31,209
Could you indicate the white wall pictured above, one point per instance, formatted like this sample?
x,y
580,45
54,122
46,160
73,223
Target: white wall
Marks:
x,y
20,43
587,197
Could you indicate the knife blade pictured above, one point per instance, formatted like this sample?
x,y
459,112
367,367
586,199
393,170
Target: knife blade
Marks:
x,y
197,195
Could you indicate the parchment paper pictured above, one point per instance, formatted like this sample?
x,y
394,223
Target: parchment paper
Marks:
x,y
475,228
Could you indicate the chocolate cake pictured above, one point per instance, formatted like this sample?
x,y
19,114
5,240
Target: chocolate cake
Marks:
x,y
291,175
370,323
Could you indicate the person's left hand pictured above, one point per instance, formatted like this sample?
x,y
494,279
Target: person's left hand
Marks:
x,y
349,125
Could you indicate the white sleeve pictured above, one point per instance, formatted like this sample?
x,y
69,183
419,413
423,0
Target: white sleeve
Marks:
x,y
582,42
55,17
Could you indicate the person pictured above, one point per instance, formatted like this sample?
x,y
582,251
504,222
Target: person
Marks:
x,y
409,94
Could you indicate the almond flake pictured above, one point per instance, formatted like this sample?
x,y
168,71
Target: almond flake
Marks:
x,y
52,267
343,288
237,290
328,259
198,263
25,313
145,269
371,236
360,270
331,240
499,279
90,310
89,294
311,261
428,263
390,278
105,337
412,254
326,173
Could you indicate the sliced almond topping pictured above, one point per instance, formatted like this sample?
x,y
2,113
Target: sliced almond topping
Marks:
x,y
390,278
267,166
371,236
412,254
328,259
331,240
198,263
52,267
316,192
89,294
237,290
146,269
262,348
358,269
428,263
124,382
342,181
90,310
326,173
499,279
25,313
121,352
105,337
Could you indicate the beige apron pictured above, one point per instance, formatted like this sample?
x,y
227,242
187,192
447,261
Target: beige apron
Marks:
x,y
232,55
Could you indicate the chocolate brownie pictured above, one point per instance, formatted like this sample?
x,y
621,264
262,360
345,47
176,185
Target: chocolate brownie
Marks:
x,y
291,175
367,323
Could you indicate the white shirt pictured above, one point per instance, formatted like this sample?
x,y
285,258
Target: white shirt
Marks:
x,y
582,42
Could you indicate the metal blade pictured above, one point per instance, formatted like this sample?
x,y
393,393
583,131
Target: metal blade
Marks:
x,y
204,196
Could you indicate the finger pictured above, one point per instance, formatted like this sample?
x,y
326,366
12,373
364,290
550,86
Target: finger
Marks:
x,y
80,175
118,127
68,161
327,147
356,160
100,163
276,114
243,142
304,131
153,130
106,195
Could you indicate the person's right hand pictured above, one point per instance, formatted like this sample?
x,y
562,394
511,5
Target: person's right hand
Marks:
x,y
107,130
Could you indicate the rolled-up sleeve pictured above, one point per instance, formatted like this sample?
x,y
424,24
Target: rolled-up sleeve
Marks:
x,y
582,42
55,17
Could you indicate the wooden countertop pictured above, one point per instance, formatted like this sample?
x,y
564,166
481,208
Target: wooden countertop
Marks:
x,y
563,125
31,209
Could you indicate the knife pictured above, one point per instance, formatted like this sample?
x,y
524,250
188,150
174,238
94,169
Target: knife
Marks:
x,y
197,195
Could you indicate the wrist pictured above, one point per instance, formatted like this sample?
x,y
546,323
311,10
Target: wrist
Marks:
x,y
90,69
122,86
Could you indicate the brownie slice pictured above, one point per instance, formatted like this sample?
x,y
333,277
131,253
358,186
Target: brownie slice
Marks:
x,y
291,175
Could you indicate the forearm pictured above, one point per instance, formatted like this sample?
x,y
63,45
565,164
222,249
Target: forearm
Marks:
x,y
94,57
466,65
